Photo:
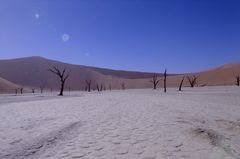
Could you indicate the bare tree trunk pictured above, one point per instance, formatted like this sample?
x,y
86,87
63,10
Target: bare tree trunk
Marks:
x,y
88,85
98,88
62,89
21,90
165,81
180,86
62,75
123,86
238,80
110,87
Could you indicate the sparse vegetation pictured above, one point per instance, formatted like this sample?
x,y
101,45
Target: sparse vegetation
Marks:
x,y
192,80
62,74
155,81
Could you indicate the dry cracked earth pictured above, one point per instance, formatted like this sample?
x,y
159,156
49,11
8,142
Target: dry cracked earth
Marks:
x,y
133,124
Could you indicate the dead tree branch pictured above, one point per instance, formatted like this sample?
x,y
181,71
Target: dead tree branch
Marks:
x,y
180,86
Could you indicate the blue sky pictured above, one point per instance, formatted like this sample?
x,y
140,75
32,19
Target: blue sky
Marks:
x,y
141,35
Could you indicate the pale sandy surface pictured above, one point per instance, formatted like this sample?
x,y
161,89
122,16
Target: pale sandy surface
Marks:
x,y
198,123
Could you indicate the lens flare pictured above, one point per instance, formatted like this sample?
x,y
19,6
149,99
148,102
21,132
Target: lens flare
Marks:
x,y
65,37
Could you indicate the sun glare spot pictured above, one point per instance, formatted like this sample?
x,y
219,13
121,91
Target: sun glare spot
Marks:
x,y
36,15
65,37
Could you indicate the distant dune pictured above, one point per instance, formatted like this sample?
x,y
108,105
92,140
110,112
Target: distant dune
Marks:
x,y
6,86
32,72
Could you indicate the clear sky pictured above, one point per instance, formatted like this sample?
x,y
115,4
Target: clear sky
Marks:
x,y
141,35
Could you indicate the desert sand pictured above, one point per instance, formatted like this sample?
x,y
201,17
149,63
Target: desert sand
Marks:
x,y
31,72
198,123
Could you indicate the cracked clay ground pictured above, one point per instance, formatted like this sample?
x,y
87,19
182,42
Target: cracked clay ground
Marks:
x,y
198,123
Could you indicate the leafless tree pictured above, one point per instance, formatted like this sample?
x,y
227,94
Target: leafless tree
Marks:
x,y
165,80
123,85
62,74
98,89
192,80
155,81
238,80
88,85
180,86
21,90
110,87
41,89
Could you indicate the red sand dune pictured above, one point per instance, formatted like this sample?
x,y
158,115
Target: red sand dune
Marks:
x,y
32,72
6,86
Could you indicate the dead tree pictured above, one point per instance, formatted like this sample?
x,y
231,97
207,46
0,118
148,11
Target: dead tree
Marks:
x,y
237,80
180,86
88,85
98,89
165,81
110,87
21,90
155,81
192,80
41,89
62,74
123,86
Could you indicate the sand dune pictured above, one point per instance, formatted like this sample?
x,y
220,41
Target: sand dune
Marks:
x,y
32,72
6,86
